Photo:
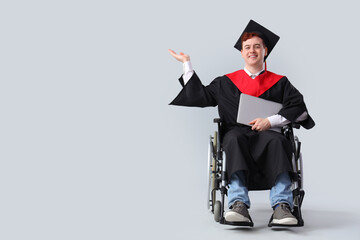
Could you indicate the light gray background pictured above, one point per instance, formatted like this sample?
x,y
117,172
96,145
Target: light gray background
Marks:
x,y
90,148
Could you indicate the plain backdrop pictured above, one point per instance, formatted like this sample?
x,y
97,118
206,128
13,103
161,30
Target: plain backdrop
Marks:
x,y
90,148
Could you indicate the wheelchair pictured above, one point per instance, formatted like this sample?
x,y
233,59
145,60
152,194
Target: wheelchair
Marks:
x,y
217,181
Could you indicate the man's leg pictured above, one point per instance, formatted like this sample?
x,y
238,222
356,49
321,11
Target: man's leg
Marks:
x,y
281,191
238,199
272,153
236,146
237,190
281,200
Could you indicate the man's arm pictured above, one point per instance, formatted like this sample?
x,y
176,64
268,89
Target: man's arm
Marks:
x,y
279,121
194,93
187,67
188,71
263,124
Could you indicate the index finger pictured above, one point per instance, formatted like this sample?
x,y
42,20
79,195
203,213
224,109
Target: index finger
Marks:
x,y
253,122
172,52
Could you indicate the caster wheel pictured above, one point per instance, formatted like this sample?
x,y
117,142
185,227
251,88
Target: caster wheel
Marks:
x,y
217,211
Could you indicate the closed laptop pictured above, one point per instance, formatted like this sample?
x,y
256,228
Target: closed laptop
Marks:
x,y
251,107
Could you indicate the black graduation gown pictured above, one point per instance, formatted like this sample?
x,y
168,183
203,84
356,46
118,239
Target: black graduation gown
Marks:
x,y
262,155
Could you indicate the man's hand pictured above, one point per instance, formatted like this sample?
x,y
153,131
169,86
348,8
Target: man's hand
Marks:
x,y
260,124
180,57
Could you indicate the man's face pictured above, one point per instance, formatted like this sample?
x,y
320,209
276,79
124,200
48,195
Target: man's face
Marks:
x,y
253,51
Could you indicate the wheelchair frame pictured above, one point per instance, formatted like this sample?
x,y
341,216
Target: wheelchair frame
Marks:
x,y
217,177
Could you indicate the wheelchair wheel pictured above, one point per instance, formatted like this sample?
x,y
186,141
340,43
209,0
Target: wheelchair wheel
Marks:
x,y
209,175
211,172
217,211
301,172
215,141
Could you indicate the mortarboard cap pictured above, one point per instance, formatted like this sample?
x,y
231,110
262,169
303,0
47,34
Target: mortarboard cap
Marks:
x,y
270,39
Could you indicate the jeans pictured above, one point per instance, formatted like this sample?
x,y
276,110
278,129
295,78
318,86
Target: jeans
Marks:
x,y
279,193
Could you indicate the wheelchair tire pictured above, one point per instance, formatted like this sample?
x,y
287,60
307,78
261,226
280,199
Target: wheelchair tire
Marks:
x,y
215,141
213,182
217,211
209,175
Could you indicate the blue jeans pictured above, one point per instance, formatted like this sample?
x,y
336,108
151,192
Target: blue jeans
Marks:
x,y
279,193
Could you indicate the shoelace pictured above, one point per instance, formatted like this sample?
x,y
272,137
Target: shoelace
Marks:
x,y
285,206
238,206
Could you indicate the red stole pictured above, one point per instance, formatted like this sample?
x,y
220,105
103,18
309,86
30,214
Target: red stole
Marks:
x,y
254,87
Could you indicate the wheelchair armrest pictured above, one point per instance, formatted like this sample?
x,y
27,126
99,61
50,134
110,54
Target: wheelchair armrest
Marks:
x,y
291,125
217,120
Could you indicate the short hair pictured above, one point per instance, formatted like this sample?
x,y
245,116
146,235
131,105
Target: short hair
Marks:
x,y
248,35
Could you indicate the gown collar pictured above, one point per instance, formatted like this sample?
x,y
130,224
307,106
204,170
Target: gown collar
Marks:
x,y
254,87
254,75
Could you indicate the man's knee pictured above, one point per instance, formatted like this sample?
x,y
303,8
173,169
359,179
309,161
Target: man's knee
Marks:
x,y
276,139
234,137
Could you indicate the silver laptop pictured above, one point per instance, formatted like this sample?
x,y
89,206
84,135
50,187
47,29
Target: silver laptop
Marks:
x,y
251,108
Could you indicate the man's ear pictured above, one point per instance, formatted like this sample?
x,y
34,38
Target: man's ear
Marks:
x,y
241,51
266,51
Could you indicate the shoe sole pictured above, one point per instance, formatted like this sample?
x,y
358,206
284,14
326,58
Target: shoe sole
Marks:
x,y
235,217
285,221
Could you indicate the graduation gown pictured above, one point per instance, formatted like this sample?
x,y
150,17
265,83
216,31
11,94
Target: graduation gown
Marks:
x,y
262,155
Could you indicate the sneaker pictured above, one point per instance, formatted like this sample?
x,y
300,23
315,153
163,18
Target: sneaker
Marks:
x,y
282,215
238,213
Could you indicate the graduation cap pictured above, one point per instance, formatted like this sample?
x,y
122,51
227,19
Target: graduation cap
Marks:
x,y
270,39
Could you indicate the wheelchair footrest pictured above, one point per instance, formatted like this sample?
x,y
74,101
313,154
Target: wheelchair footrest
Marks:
x,y
285,225
241,224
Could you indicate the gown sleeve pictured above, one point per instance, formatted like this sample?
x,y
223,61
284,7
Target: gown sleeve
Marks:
x,y
195,94
294,106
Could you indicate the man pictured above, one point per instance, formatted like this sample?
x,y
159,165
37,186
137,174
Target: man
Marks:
x,y
257,157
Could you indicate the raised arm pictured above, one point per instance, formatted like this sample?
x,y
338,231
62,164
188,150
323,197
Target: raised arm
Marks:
x,y
185,59
194,93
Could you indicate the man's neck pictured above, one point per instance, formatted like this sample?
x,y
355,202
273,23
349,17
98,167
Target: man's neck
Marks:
x,y
254,69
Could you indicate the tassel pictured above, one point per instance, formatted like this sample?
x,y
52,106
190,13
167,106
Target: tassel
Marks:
x,y
265,66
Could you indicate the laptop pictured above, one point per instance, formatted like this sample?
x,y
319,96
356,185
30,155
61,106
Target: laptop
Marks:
x,y
251,107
